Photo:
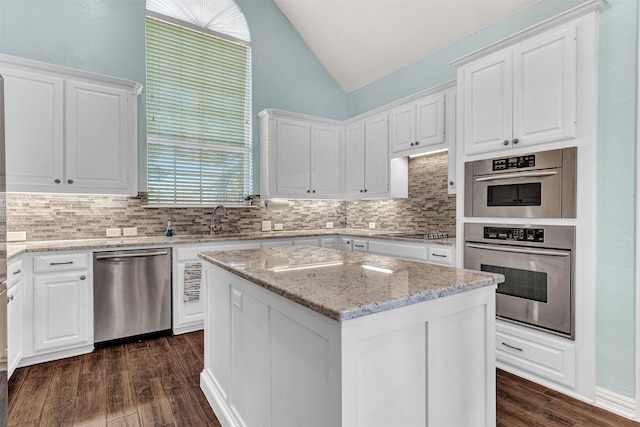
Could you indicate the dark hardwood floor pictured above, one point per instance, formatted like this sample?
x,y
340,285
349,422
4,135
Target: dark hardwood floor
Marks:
x,y
156,383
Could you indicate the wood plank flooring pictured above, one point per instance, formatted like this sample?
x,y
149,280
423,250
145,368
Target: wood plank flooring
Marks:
x,y
156,383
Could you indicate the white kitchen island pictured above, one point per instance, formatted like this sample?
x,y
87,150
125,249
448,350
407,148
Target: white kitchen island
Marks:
x,y
307,336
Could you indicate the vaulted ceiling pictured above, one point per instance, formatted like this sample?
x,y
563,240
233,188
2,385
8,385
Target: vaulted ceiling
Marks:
x,y
361,41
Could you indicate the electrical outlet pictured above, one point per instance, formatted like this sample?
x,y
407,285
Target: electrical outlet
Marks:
x,y
266,225
329,225
16,236
114,232
278,227
372,225
132,231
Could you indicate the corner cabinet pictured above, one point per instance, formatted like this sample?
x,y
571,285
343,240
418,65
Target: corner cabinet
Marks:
x,y
69,131
521,95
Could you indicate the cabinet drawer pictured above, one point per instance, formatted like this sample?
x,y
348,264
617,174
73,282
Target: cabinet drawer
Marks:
x,y
191,252
441,255
547,357
63,262
360,245
399,250
14,272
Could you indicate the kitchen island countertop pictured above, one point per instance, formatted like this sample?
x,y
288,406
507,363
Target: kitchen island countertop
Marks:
x,y
345,285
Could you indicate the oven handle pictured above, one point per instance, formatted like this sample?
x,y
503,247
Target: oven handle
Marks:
x,y
518,250
516,175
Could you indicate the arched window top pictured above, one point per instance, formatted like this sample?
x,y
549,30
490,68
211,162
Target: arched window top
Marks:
x,y
217,16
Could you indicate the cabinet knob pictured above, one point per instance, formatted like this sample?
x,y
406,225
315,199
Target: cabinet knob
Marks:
x,y
57,181
313,191
361,190
69,181
83,277
308,191
515,141
411,144
365,190
450,182
505,142
417,142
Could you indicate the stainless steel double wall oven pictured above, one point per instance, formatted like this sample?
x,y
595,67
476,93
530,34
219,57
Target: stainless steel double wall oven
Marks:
x,y
538,261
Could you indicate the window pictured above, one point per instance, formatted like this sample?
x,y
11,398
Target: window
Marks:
x,y
198,114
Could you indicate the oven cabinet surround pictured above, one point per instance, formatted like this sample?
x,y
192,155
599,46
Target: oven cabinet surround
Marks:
x,y
555,362
524,94
58,309
69,131
270,361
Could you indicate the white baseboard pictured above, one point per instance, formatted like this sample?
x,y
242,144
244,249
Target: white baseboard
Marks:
x,y
616,403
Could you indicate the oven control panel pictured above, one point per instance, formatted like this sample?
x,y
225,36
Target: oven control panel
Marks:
x,y
514,162
518,234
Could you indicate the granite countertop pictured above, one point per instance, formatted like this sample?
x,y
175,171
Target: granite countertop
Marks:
x,y
17,248
347,285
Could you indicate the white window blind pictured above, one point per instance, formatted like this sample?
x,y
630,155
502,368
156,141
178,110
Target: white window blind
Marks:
x,y
198,117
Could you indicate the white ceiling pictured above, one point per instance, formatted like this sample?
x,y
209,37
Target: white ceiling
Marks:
x,y
361,41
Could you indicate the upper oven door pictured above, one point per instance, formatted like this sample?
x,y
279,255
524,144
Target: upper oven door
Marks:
x,y
537,287
524,194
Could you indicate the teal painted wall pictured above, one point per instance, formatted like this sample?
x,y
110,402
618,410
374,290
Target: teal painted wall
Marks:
x,y
107,37
616,192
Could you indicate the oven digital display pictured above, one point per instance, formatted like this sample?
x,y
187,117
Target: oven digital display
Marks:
x,y
514,162
518,234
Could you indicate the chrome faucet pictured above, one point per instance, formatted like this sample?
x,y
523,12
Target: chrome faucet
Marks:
x,y
216,223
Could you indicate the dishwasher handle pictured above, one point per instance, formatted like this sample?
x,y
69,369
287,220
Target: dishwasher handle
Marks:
x,y
132,254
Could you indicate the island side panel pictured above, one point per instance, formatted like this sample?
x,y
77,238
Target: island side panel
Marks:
x,y
268,361
428,364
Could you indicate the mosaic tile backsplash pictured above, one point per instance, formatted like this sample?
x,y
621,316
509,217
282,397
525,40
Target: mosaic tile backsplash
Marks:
x,y
54,216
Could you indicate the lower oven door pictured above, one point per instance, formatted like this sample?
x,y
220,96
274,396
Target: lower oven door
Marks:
x,y
537,288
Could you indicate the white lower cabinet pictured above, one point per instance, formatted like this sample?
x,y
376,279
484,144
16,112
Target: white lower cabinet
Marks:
x,y
431,253
306,242
15,309
533,354
188,313
58,307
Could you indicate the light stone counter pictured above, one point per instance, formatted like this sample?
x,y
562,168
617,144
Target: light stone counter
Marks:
x,y
346,285
18,248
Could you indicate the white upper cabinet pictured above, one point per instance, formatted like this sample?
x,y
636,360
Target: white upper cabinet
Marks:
x,y
376,157
304,162
521,95
418,127
354,159
69,131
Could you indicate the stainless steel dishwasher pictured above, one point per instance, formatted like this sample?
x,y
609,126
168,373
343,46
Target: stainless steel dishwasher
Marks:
x,y
131,293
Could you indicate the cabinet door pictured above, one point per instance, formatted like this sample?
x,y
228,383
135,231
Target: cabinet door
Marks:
x,y
15,323
34,130
96,122
63,311
189,312
403,127
544,97
293,147
325,161
376,167
430,122
488,103
354,159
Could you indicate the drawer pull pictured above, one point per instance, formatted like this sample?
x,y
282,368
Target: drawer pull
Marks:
x,y
61,263
17,272
512,347
438,255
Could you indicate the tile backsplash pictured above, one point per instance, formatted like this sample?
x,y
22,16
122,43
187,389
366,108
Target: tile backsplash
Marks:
x,y
66,216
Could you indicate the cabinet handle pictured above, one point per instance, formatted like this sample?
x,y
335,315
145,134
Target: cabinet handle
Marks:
x,y
365,190
57,181
83,277
361,190
438,255
308,191
515,141
17,272
505,142
313,191
417,142
511,347
450,182
61,263
70,181
9,299
411,144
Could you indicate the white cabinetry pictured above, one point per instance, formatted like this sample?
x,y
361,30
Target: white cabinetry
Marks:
x,y
58,312
15,309
418,126
69,131
188,316
431,253
522,95
305,158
